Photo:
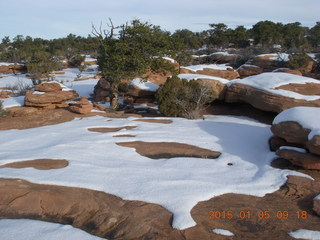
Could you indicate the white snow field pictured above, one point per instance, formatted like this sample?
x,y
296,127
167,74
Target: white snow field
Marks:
x,y
22,229
305,234
178,184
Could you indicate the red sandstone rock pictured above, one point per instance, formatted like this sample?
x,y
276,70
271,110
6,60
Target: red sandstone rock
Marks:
x,y
48,87
229,74
265,100
83,106
313,145
249,70
287,70
305,160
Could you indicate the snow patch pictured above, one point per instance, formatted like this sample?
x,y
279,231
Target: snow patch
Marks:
x,y
276,56
13,102
149,86
191,76
223,232
23,229
305,234
301,150
195,68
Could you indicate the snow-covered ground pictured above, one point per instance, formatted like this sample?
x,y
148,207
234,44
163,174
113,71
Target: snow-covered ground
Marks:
x,y
178,184
269,81
22,229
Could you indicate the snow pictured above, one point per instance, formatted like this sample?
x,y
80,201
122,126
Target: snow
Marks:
x,y
305,234
222,232
222,53
149,86
317,197
307,117
247,65
211,66
191,76
276,56
11,80
7,64
22,229
301,150
89,59
269,81
169,59
13,102
178,184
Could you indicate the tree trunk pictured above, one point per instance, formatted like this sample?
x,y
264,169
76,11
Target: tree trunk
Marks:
x,y
114,96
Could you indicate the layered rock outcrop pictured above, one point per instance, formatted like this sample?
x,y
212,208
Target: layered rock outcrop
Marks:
x,y
221,71
299,126
275,92
82,106
49,96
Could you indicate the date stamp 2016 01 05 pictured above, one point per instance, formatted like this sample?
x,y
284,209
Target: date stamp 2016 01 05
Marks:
x,y
262,214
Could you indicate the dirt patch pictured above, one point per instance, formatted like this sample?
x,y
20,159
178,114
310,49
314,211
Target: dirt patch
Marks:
x,y
157,150
107,130
124,135
165,121
310,89
40,164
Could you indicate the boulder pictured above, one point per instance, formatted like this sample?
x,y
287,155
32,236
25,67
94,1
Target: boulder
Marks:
x,y
313,145
227,73
304,160
51,99
264,100
48,87
264,91
217,57
276,142
247,70
288,70
12,68
83,106
21,111
5,94
291,131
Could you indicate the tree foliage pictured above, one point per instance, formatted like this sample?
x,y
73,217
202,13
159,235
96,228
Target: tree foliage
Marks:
x,y
130,50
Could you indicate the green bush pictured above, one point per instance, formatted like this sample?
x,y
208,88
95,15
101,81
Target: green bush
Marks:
x,y
183,98
298,60
3,112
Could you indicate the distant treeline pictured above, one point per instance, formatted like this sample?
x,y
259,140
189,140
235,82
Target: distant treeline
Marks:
x,y
289,36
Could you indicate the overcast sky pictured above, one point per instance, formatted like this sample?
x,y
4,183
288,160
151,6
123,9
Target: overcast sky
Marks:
x,y
57,18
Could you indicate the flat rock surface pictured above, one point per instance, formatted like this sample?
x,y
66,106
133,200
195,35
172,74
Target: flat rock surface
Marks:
x,y
157,150
107,130
40,164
